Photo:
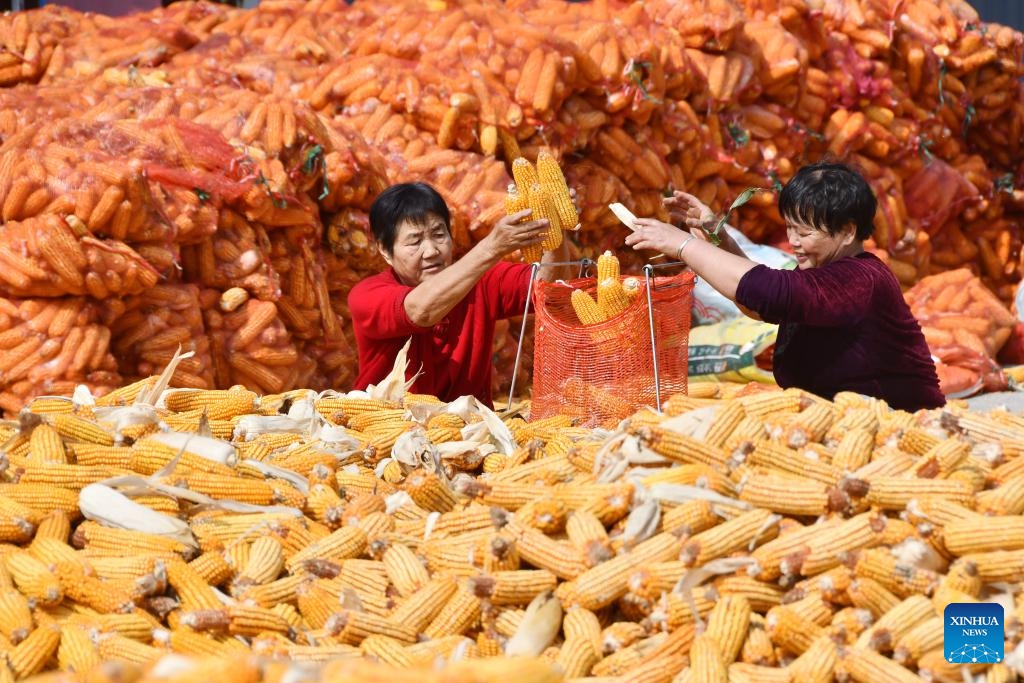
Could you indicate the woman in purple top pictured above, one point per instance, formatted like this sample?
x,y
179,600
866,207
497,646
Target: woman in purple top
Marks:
x,y
843,322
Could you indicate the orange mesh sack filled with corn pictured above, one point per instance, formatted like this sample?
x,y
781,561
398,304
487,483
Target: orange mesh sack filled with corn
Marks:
x,y
593,343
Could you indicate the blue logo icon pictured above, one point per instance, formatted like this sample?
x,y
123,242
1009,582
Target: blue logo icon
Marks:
x,y
973,632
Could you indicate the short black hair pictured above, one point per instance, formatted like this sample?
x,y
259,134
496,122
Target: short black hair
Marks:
x,y
405,201
830,195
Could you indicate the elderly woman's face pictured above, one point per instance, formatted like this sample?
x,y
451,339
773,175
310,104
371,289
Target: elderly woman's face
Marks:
x,y
814,247
422,249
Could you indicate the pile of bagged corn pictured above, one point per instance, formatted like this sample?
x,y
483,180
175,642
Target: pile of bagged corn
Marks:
x,y
216,151
743,535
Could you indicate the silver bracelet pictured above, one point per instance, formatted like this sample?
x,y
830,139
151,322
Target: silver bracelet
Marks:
x,y
679,251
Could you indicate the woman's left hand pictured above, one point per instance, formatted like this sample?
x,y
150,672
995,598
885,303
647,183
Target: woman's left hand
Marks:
x,y
650,233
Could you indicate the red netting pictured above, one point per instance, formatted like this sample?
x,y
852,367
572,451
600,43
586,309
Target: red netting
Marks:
x,y
603,372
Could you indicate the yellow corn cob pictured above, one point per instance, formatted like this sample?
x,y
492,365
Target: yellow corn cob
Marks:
x,y
544,514
513,588
127,394
811,607
742,672
77,652
727,418
15,616
73,477
46,445
848,623
760,595
550,176
118,648
918,441
525,176
1006,499
854,450
728,624
982,427
577,656
588,535
229,487
100,456
74,428
109,541
758,648
252,620
46,405
149,456
193,591
30,655
136,625
55,523
778,457
996,533
346,542
824,549
33,577
1005,566
376,419
962,576
351,627
894,493
868,594
681,448
387,650
867,666
912,644
748,528
810,425
283,590
128,568
517,200
880,565
314,602
789,631
611,297
707,663
789,495
218,404
855,419
212,567
417,610
405,571
603,584
817,664
457,616
607,267
266,560
763,404
429,492
543,206
586,308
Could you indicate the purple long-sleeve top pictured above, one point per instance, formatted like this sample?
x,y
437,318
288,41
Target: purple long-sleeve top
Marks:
x,y
844,326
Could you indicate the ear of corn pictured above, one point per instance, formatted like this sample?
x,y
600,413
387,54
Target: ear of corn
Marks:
x,y
550,175
543,207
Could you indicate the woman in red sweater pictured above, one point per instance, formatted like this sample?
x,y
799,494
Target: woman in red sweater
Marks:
x,y
449,308
843,322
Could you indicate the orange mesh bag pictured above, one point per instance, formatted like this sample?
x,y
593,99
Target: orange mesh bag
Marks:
x,y
305,302
250,345
46,256
604,371
153,326
47,346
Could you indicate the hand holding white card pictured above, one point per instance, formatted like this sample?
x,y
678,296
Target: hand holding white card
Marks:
x,y
623,214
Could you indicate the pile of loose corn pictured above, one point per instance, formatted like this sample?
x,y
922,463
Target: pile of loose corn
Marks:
x,y
743,535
